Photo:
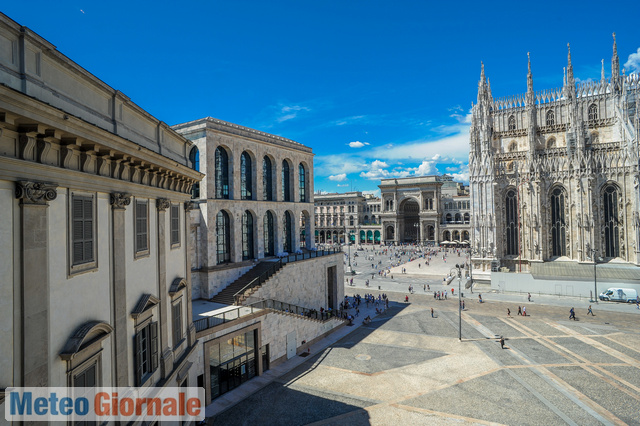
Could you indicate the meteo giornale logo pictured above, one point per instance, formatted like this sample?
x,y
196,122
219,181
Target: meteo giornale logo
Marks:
x,y
104,404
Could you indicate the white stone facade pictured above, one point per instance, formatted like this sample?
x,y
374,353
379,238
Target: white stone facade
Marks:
x,y
356,213
93,231
554,173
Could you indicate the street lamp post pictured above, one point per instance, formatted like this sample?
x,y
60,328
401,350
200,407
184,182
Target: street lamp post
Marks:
x,y
595,275
458,270
417,226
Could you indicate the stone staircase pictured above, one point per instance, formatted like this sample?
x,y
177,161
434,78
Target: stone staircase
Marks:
x,y
258,275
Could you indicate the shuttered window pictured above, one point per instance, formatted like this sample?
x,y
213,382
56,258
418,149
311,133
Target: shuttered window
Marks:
x,y
142,229
146,355
175,224
176,317
82,229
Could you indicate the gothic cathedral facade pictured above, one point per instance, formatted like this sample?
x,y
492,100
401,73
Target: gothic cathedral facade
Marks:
x,y
554,173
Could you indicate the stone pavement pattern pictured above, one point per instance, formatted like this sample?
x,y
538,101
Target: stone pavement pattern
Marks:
x,y
408,368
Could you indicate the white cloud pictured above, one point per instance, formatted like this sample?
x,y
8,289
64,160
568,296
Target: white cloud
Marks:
x,y
633,62
343,185
338,178
357,144
377,164
290,112
349,120
436,157
425,169
375,192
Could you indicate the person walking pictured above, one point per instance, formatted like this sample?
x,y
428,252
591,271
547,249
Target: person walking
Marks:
x,y
529,297
524,311
508,313
431,312
572,314
502,342
519,310
589,311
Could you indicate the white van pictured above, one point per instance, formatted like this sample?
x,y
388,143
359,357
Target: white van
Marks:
x,y
619,295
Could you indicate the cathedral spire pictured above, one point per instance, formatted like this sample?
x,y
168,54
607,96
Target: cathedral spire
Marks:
x,y
602,71
529,75
615,65
570,80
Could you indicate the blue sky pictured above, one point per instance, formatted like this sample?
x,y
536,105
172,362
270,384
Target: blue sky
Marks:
x,y
376,88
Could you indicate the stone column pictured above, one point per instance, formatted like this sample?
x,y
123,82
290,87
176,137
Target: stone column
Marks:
x,y
119,202
166,362
34,198
191,329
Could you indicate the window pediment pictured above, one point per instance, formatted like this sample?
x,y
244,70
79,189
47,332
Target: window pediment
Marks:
x,y
146,302
88,333
177,285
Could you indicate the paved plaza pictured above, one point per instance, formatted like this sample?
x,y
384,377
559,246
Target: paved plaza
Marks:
x,y
406,367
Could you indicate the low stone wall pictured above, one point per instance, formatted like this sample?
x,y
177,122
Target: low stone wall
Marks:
x,y
526,283
304,283
208,283
276,326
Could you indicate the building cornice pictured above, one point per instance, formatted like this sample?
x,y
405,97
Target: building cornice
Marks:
x,y
210,123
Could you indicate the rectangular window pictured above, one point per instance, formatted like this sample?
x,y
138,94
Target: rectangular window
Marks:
x,y
82,230
146,352
142,226
176,316
175,224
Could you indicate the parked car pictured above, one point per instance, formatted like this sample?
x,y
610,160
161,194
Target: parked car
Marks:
x,y
628,295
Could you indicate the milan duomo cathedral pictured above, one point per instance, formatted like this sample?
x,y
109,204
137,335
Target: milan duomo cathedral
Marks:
x,y
554,173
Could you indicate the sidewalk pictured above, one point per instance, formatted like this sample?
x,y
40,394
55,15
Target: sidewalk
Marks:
x,y
244,391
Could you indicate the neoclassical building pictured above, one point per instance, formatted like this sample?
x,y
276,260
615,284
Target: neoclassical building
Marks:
x,y
94,200
554,173
351,213
427,209
255,202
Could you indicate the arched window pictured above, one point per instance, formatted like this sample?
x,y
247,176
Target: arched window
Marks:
x,y
350,220
551,118
287,244
223,238
246,177
511,211
222,173
286,183
247,235
513,146
593,112
558,223
267,179
611,221
446,235
269,246
456,236
458,218
366,220
194,158
302,183
512,123
373,219
430,233
551,142
466,218
448,217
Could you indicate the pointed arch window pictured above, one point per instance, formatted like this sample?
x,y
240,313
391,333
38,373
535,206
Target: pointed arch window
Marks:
x,y
558,223
511,216
267,179
611,221
593,112
269,246
512,122
246,177
247,235
551,143
302,179
287,244
223,238
286,184
551,118
222,173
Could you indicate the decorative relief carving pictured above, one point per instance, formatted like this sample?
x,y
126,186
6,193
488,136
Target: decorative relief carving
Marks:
x,y
120,200
162,204
31,192
190,205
